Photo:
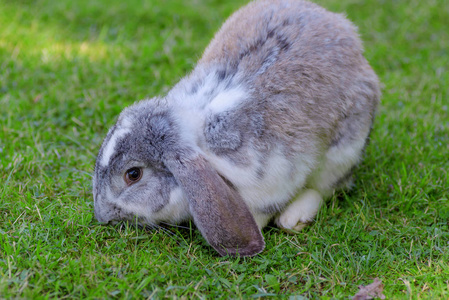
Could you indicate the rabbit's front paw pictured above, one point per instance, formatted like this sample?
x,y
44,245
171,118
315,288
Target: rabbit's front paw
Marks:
x,y
300,212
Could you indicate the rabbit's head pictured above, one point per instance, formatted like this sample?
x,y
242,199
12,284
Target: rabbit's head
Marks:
x,y
147,170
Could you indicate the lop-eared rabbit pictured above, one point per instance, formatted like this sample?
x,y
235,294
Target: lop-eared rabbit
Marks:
x,y
270,122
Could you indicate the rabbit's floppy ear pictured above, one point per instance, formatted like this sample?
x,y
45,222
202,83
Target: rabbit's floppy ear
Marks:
x,y
217,208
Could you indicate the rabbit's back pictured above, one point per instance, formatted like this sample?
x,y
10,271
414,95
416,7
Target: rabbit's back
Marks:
x,y
305,66
268,32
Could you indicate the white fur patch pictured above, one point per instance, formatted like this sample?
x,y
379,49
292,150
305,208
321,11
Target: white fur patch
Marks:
x,y
110,146
176,211
227,100
281,179
191,124
336,163
184,100
211,92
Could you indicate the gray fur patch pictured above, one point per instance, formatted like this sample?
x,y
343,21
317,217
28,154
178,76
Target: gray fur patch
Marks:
x,y
220,132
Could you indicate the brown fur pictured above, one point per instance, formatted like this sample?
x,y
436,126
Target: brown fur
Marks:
x,y
320,69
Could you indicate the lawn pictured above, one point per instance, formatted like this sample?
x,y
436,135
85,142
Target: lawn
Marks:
x,y
69,67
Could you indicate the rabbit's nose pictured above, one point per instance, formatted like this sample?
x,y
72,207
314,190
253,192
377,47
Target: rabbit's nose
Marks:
x,y
102,212
101,219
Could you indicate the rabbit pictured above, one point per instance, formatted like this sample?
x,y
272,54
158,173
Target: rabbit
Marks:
x,y
272,119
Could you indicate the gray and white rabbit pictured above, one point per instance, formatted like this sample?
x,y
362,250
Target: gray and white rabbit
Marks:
x,y
273,119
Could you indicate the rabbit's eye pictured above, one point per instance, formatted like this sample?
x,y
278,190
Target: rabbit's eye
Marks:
x,y
133,175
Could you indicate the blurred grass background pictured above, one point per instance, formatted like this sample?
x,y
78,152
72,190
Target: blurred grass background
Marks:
x,y
67,68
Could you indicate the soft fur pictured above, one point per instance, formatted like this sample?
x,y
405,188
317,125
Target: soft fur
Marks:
x,y
272,119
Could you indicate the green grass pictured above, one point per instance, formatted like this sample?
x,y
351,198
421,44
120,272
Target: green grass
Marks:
x,y
67,68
